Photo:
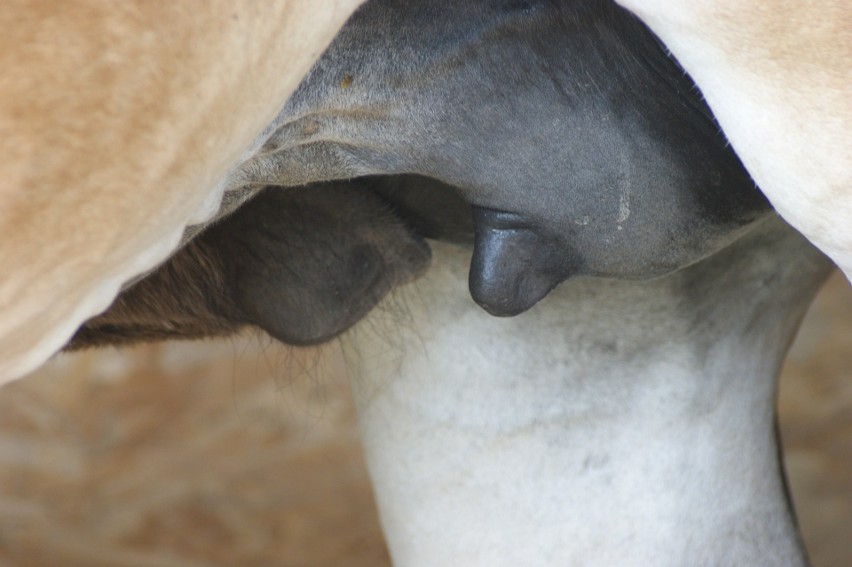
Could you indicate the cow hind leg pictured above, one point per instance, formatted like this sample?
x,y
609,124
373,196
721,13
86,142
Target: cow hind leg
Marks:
x,y
616,423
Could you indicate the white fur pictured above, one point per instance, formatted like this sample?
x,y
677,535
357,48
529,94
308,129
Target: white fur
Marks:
x,y
600,428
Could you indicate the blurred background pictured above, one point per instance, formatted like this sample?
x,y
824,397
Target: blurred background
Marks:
x,y
245,453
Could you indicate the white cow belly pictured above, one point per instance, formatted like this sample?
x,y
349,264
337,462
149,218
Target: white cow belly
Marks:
x,y
604,427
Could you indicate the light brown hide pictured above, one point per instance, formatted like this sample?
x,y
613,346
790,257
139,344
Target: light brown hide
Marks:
x,y
778,77
117,119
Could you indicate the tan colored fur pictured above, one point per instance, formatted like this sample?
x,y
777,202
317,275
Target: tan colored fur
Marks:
x,y
782,38
117,118
778,76
773,38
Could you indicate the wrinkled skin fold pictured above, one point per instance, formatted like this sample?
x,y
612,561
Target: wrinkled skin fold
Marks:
x,y
584,150
587,150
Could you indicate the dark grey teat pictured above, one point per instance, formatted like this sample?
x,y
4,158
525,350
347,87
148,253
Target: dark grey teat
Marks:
x,y
515,264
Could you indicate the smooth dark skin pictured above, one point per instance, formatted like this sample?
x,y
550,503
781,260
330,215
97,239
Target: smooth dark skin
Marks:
x,y
567,115
584,150
304,265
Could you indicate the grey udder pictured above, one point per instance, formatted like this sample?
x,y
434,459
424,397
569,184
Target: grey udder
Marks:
x,y
582,147
567,117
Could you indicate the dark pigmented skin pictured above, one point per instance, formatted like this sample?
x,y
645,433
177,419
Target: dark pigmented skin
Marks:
x,y
515,264
584,150
566,115
303,264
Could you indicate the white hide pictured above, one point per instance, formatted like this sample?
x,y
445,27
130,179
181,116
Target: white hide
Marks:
x,y
616,423
778,76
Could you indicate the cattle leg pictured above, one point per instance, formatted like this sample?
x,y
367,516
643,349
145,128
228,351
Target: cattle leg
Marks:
x,y
616,423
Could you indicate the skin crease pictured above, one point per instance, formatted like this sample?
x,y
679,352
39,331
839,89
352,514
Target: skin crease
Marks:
x,y
564,123
777,75
566,160
118,120
42,128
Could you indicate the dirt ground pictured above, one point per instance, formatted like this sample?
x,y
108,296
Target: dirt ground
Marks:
x,y
242,453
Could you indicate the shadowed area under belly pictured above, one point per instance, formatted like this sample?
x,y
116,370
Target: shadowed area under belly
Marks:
x,y
582,149
585,148
302,264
